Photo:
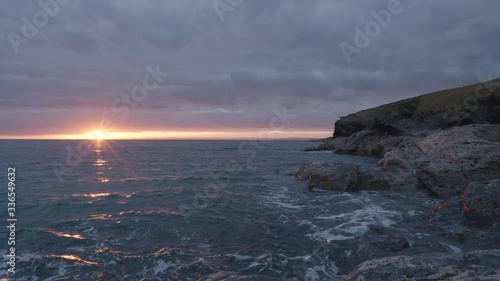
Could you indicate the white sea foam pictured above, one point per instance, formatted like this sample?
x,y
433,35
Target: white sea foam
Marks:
x,y
450,247
281,197
164,266
317,273
353,224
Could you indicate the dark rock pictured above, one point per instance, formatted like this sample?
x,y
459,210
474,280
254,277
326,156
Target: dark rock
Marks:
x,y
399,126
372,143
435,121
330,176
389,178
349,177
347,126
325,145
375,243
481,203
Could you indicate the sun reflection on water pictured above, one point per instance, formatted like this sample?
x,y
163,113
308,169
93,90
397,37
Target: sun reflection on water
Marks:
x,y
73,258
100,164
66,235
93,195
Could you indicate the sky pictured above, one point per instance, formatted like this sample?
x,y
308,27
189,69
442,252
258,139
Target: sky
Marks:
x,y
229,68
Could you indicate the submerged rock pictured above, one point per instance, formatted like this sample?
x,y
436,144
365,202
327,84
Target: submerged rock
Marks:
x,y
377,243
481,203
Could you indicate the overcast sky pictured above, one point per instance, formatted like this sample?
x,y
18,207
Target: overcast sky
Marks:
x,y
231,65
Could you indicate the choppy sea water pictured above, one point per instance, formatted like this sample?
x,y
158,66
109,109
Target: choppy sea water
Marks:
x,y
185,210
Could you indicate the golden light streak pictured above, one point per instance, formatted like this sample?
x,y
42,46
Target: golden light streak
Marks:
x,y
73,258
93,195
67,235
184,135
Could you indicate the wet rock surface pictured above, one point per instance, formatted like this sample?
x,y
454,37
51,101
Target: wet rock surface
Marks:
x,y
480,203
330,176
448,161
347,177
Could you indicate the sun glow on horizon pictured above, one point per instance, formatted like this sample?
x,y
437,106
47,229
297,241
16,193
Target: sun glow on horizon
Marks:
x,y
100,135
97,135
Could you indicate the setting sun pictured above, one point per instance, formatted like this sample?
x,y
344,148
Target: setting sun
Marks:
x,y
97,135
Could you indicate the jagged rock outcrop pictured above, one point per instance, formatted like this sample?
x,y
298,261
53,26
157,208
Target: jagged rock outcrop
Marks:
x,y
443,163
446,162
366,142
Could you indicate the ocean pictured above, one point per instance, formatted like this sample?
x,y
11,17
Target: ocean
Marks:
x,y
186,210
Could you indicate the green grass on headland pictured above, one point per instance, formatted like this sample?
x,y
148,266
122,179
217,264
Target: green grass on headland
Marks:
x,y
432,103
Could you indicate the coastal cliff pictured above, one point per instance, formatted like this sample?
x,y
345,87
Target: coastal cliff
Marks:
x,y
377,130
446,144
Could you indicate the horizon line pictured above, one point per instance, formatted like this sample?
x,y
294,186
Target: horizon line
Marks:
x,y
156,139
172,135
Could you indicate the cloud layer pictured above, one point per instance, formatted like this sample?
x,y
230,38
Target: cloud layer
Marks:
x,y
229,72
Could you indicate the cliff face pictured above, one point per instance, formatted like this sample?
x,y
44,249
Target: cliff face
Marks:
x,y
374,131
474,104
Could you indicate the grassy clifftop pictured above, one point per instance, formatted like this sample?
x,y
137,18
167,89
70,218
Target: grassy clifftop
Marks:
x,y
478,103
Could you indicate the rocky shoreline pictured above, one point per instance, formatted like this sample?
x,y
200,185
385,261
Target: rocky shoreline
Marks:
x,y
425,145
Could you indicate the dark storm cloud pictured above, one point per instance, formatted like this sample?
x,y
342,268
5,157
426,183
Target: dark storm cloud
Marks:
x,y
232,72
